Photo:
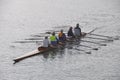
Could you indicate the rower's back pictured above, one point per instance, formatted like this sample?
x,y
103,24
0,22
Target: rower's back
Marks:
x,y
62,36
46,42
53,39
77,30
70,33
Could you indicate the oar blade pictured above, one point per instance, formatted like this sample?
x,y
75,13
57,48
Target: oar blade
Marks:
x,y
88,52
95,48
111,40
103,44
116,38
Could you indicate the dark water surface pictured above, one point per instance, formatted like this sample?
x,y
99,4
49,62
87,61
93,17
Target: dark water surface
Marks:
x,y
19,19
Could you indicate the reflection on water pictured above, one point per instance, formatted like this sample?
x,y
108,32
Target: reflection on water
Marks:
x,y
54,53
60,51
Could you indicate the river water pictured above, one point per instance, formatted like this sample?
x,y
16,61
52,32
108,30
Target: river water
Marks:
x,y
19,19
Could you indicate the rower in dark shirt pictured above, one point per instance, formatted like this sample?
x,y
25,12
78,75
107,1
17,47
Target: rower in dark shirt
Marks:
x,y
62,36
70,33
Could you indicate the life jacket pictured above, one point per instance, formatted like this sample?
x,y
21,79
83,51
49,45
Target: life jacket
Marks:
x,y
60,34
53,38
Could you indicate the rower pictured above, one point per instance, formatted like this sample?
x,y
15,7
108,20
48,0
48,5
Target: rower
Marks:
x,y
70,33
45,44
62,36
77,31
53,39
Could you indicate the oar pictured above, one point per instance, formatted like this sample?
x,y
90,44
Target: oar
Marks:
x,y
94,42
89,47
50,32
37,36
43,35
70,47
105,36
100,38
34,39
92,31
27,41
55,32
101,35
88,52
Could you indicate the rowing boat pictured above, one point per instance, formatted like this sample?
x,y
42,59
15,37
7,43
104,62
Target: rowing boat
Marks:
x,y
40,50
43,50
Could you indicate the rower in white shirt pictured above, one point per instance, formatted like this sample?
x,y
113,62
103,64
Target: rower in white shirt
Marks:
x,y
46,42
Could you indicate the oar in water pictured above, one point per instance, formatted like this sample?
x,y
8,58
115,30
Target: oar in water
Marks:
x,y
94,42
100,39
37,36
101,35
27,41
89,47
34,39
70,47
88,52
50,32
104,36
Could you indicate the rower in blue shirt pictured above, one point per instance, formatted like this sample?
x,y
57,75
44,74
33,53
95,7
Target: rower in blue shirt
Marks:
x,y
62,36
